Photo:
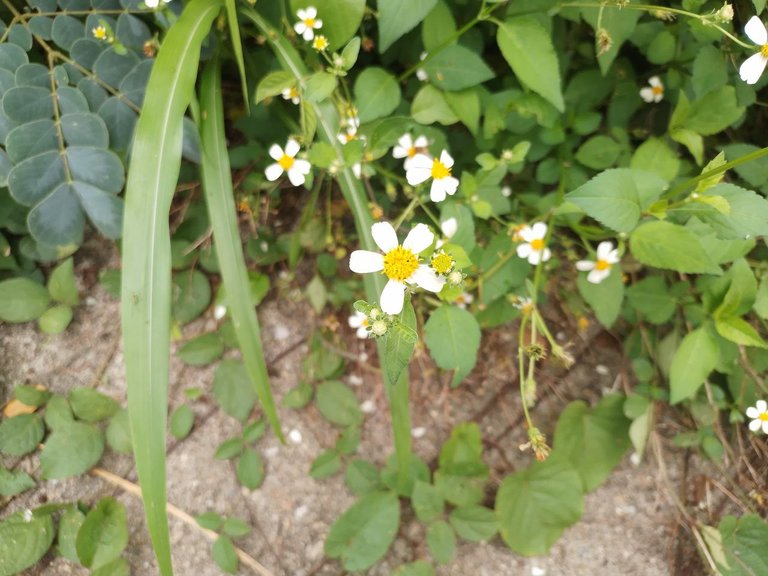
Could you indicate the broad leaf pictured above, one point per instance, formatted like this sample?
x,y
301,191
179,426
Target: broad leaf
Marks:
x,y
672,247
396,17
103,535
23,543
453,338
694,359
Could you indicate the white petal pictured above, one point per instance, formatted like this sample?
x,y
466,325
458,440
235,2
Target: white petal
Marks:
x,y
356,320
275,152
752,68
422,75
273,172
318,24
419,238
437,190
362,333
364,261
585,265
597,276
539,230
416,175
399,152
301,166
765,427
392,297
421,142
405,142
761,405
426,278
604,249
647,94
296,176
546,255
451,184
422,161
752,412
755,31
449,227
310,12
534,257
658,96
301,14
446,159
292,147
357,170
526,233
384,236
300,27
755,425
151,3
524,250
655,82
309,34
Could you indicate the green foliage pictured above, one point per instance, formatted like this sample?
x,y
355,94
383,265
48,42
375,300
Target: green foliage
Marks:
x,y
232,389
338,403
21,434
743,541
71,449
103,534
22,300
23,542
453,338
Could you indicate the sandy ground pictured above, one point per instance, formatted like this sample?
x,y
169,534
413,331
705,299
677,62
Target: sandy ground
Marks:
x,y
627,528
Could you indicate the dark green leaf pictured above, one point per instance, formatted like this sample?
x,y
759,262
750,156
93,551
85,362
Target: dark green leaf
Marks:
x,y
192,295
744,541
232,389
21,434
235,527
427,501
119,433
474,523
456,68
72,448
92,406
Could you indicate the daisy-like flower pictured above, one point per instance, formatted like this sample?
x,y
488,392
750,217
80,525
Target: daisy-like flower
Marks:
x,y
407,148
525,305
422,168
100,33
308,23
654,92
464,300
346,136
442,263
421,74
534,248
600,269
399,263
448,228
286,162
350,118
292,94
759,415
752,68
359,321
320,43
154,3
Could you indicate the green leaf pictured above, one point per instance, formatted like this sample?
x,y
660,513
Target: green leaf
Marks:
x,y
118,567
418,568
739,331
325,465
362,477
31,395
748,215
467,107
377,94
182,421
103,535
55,320
744,540
708,115
21,434
350,53
430,106
427,501
58,412
742,290
453,338
69,525
192,295
119,433
617,197
250,469
71,449
671,247
202,350
599,152
14,482
694,359
618,24
92,406
474,523
456,68
224,554
338,404
535,505
662,48
23,543
22,300
363,534
341,18
298,396
709,71
441,541
210,521
605,298
235,527
217,185
232,389
460,490
400,343
396,17
653,298
273,84
320,86
527,47
462,453
594,441
28,103
438,27
691,140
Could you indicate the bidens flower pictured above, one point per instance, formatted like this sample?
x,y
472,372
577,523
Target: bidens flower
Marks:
x,y
422,168
308,23
292,94
654,92
407,148
360,321
752,68
286,162
100,33
600,269
399,263
320,43
534,249
759,415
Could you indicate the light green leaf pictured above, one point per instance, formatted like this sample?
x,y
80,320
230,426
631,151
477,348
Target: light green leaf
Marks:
x,y
396,17
71,449
438,27
14,482
273,84
744,540
224,554
325,465
55,320
430,106
418,568
235,527
671,247
655,155
599,152
456,68
192,295
441,541
92,406
694,359
23,543
119,433
232,389
427,501
462,453
474,523
739,331
202,349
653,299
594,441
708,115
618,24
400,343
741,293
21,434
22,300
363,534
182,420
362,477
338,404
466,105
250,469
748,215
377,94
527,47
103,535
605,298
709,71
535,505
320,86
69,525
453,338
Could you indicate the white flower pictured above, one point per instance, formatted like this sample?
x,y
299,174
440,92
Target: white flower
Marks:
x,y
421,74
360,321
525,305
752,68
423,168
654,92
759,415
349,134
292,94
400,263
463,300
407,148
506,191
154,3
534,249
308,23
357,170
286,162
600,269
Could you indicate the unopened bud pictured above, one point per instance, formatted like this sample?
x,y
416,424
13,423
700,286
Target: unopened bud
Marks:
x,y
379,328
725,14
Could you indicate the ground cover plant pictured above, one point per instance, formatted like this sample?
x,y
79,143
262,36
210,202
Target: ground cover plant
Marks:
x,y
431,170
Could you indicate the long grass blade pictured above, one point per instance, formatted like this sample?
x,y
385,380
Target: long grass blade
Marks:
x,y
146,277
219,195
237,47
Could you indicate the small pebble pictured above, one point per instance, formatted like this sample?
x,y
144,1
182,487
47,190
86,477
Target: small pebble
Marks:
x,y
536,571
602,370
369,407
354,380
294,436
282,333
418,432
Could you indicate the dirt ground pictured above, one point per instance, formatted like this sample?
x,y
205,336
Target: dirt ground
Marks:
x,y
629,526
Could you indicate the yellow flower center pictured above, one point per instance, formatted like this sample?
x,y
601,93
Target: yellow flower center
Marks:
x,y
286,162
294,93
309,22
100,33
602,265
764,50
412,152
442,263
440,170
763,417
537,244
320,43
657,90
400,263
